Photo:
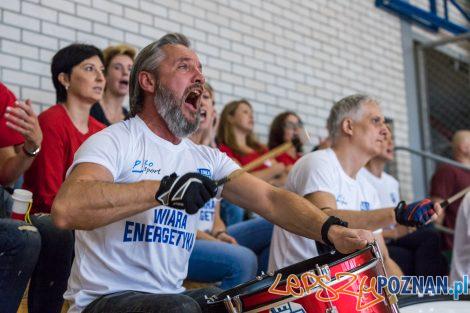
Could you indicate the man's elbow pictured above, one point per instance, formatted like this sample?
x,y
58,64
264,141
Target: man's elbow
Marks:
x,y
60,215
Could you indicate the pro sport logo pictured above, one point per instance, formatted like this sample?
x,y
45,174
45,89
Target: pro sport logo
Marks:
x,y
145,167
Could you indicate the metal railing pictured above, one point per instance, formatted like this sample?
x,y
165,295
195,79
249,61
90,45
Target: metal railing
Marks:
x,y
433,156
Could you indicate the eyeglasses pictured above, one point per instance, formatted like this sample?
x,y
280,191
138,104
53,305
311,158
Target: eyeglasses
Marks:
x,y
290,125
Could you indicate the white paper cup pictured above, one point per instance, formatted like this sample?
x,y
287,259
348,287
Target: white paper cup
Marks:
x,y
21,201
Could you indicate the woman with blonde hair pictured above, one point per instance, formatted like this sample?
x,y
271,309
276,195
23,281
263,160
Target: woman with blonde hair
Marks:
x,y
118,61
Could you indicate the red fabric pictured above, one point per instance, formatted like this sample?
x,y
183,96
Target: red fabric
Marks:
x,y
287,159
61,139
447,181
8,137
243,159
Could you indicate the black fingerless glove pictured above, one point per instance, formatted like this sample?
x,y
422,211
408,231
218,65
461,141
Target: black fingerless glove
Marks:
x,y
415,214
188,192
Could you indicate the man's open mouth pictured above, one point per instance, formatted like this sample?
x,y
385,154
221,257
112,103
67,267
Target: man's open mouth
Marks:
x,y
193,98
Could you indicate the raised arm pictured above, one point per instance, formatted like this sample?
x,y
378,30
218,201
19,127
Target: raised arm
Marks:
x,y
89,198
291,212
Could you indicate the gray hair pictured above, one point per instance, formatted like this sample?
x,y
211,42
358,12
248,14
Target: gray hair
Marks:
x,y
347,107
149,59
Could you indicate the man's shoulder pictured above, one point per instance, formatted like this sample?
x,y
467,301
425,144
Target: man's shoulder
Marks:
x,y
389,178
203,149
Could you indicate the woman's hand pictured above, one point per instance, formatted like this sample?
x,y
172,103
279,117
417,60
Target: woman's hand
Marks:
x,y
22,119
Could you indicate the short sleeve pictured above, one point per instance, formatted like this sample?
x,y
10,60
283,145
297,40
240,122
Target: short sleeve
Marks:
x,y
8,137
312,173
104,148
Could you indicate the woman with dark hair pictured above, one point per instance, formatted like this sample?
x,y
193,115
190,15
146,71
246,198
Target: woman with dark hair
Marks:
x,y
77,74
284,128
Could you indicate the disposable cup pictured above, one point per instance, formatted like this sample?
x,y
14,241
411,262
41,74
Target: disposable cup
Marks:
x,y
21,201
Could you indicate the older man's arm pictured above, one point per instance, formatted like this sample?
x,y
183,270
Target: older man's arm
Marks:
x,y
371,220
89,198
291,212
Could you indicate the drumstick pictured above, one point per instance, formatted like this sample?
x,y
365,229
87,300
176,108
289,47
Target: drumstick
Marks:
x,y
457,196
443,229
446,203
257,162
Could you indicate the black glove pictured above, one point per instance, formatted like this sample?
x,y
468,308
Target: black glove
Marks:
x,y
188,192
414,214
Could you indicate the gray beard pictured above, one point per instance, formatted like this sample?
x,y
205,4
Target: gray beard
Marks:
x,y
169,109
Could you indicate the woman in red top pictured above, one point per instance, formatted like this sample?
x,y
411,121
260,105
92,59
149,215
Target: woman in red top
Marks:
x,y
284,128
77,75
236,138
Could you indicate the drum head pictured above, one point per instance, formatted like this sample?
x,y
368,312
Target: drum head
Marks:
x,y
434,303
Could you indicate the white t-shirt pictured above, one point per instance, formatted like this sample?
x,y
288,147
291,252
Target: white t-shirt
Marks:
x,y
461,251
386,185
318,171
148,251
206,216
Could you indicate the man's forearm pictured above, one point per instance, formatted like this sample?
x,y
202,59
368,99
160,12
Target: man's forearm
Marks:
x,y
370,220
302,217
83,204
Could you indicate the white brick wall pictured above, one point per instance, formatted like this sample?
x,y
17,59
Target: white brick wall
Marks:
x,y
279,54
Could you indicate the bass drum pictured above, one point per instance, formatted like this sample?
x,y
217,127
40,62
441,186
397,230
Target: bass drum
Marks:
x,y
434,304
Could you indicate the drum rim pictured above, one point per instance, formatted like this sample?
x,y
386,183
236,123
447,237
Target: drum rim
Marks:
x,y
340,258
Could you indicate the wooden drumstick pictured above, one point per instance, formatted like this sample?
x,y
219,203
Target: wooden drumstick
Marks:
x,y
446,203
257,162
455,197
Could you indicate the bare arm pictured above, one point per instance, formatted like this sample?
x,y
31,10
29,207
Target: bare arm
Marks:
x,y
291,212
201,235
89,198
366,220
219,224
